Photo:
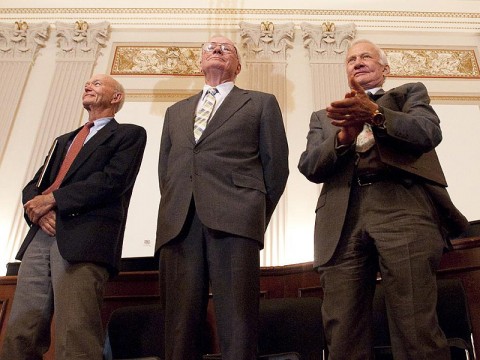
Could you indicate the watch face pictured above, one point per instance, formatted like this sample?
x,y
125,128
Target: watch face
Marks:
x,y
378,119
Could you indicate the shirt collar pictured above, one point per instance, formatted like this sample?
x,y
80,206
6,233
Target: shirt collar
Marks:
x,y
98,123
223,88
373,91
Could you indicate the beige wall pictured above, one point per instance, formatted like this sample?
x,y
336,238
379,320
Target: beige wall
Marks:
x,y
454,25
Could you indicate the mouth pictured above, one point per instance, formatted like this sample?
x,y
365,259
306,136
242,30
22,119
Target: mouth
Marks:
x,y
360,73
216,57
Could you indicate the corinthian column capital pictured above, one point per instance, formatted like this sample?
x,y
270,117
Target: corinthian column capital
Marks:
x,y
21,41
81,40
267,41
328,42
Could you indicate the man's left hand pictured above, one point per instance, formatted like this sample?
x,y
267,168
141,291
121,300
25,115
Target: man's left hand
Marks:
x,y
354,110
39,206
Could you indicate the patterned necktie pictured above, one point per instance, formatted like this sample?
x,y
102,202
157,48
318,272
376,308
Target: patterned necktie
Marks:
x,y
72,153
203,114
365,139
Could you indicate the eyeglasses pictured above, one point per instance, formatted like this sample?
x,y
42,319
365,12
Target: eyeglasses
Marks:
x,y
226,48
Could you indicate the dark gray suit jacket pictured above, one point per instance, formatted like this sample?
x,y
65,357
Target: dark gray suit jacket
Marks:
x,y
236,172
93,199
408,142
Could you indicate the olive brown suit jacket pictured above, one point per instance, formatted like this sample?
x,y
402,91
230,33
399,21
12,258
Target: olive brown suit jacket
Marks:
x,y
406,144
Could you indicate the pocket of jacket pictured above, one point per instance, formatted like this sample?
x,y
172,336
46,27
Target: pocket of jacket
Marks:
x,y
321,201
246,181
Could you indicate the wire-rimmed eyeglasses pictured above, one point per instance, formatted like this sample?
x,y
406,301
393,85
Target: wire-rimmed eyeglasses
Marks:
x,y
226,48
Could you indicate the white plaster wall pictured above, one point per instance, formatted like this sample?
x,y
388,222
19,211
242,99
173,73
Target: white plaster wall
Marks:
x,y
460,122
20,144
459,154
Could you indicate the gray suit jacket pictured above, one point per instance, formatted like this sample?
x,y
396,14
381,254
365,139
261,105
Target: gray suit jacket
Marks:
x,y
236,172
408,142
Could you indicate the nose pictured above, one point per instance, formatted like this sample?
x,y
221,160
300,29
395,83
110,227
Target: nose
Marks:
x,y
218,48
358,62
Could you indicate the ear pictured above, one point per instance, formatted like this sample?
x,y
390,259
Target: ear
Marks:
x,y
117,97
386,70
239,68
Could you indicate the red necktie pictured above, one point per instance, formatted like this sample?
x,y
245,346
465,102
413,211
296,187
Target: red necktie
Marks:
x,y
71,155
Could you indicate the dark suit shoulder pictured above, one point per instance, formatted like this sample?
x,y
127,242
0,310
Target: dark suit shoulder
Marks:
x,y
404,88
132,127
254,93
194,98
320,113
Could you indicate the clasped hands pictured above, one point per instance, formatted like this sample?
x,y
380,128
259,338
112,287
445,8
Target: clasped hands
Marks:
x,y
40,211
351,113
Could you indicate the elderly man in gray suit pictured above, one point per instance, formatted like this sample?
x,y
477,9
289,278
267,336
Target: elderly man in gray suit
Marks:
x,y
383,206
222,169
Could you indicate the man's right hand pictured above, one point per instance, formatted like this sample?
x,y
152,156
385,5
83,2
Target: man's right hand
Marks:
x,y
48,223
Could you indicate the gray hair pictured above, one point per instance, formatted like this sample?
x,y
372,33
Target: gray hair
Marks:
x,y
119,89
381,53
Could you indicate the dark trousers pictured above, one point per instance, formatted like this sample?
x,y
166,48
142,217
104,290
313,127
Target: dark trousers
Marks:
x,y
391,228
230,264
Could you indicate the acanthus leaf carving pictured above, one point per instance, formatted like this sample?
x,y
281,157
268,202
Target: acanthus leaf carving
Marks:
x,y
328,41
81,40
21,41
267,41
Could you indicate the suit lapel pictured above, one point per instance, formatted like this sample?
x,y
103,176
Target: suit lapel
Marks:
x,y
234,101
187,116
100,137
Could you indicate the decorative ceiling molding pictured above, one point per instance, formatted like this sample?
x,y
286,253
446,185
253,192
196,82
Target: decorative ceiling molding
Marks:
x,y
171,95
455,99
230,17
164,95
226,11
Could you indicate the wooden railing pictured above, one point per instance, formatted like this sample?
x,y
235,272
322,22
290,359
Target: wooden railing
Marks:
x,y
297,280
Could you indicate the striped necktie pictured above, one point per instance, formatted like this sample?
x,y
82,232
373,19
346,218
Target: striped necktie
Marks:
x,y
72,153
203,114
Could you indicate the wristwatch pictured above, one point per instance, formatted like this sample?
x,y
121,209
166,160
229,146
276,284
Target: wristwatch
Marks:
x,y
378,119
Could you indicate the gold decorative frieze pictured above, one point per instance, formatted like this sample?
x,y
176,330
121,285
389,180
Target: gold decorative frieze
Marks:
x,y
455,99
433,63
156,60
166,95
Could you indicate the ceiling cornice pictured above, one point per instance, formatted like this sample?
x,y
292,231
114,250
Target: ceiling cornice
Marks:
x,y
230,17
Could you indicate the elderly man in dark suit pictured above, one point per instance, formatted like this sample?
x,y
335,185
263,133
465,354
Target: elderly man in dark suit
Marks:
x,y
221,176
77,208
383,207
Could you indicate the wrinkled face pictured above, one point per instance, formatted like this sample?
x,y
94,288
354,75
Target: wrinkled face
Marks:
x,y
99,93
220,54
364,64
